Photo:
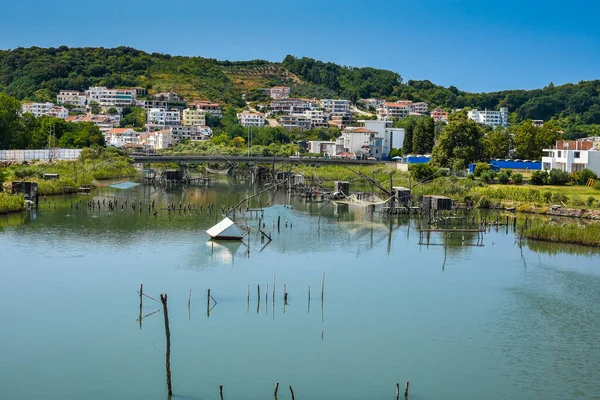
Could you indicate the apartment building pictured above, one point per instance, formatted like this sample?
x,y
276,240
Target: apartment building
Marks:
x,y
361,141
73,98
299,121
158,140
193,117
337,106
37,109
120,137
419,107
391,138
208,107
573,156
292,106
162,117
181,132
490,118
390,110
58,112
104,122
248,118
168,96
111,97
280,92
439,115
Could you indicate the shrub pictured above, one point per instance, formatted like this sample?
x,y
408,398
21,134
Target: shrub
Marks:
x,y
558,177
590,201
584,176
597,185
539,178
493,174
481,168
517,179
503,177
547,196
560,198
471,177
486,177
422,172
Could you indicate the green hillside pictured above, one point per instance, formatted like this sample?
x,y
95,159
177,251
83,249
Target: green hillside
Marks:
x,y
39,73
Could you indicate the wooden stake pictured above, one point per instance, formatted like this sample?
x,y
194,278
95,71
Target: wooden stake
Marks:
x,y
276,389
406,389
273,287
248,294
208,303
323,287
221,391
292,391
258,288
397,391
163,299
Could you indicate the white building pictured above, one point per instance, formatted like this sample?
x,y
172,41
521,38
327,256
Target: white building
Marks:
x,y
280,92
162,117
299,121
388,111
248,118
120,137
573,156
322,147
361,141
490,118
419,107
317,118
392,138
292,106
58,112
181,132
208,107
337,106
193,117
37,109
111,97
73,98
158,140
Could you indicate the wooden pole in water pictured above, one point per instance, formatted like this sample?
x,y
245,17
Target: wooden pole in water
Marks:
x,y
248,294
273,288
406,389
208,303
292,391
397,391
323,287
258,287
285,295
221,391
163,300
276,389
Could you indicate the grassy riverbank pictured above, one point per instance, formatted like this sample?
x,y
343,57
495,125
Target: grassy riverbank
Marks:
x,y
93,165
10,203
574,233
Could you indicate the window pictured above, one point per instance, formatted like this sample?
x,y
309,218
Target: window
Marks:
x,y
577,154
559,153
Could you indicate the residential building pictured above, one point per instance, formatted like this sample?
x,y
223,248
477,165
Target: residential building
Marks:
x,y
299,121
490,118
337,106
280,92
573,156
193,117
322,147
439,115
248,118
168,96
58,112
208,107
111,97
121,137
419,107
158,140
317,118
391,138
538,122
37,109
292,106
181,132
361,141
391,110
374,103
73,98
104,122
153,103
340,120
162,117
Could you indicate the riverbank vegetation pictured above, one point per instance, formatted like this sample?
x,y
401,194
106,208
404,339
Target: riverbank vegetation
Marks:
x,y
587,234
11,203
93,164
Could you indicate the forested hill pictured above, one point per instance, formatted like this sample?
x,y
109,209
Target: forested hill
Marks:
x,y
39,73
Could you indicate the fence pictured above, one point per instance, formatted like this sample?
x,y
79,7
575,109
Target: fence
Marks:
x,y
29,155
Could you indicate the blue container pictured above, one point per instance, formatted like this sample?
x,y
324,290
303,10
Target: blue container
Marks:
x,y
418,159
517,164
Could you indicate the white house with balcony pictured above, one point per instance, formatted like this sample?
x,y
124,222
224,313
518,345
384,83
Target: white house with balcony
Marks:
x,y
391,138
361,141
159,140
163,117
73,98
490,118
37,109
337,106
248,118
58,112
573,156
120,137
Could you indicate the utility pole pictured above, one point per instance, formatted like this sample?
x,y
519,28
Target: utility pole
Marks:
x,y
52,150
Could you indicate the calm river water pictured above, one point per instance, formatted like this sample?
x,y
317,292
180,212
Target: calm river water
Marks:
x,y
459,322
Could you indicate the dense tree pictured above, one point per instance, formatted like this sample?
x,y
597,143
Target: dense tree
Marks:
x,y
498,143
530,140
409,125
423,136
11,123
459,144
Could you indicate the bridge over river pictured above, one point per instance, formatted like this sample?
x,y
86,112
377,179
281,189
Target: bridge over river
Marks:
x,y
145,158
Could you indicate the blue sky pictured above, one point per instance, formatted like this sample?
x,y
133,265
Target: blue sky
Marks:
x,y
473,45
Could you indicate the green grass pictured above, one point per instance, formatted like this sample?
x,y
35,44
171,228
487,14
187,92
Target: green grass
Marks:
x,y
11,203
583,234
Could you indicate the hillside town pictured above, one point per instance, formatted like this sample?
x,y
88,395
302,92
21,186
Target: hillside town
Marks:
x,y
365,132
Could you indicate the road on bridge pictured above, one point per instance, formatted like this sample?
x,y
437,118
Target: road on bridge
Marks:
x,y
145,158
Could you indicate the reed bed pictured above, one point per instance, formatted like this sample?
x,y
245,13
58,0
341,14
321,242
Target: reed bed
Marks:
x,y
574,233
11,203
